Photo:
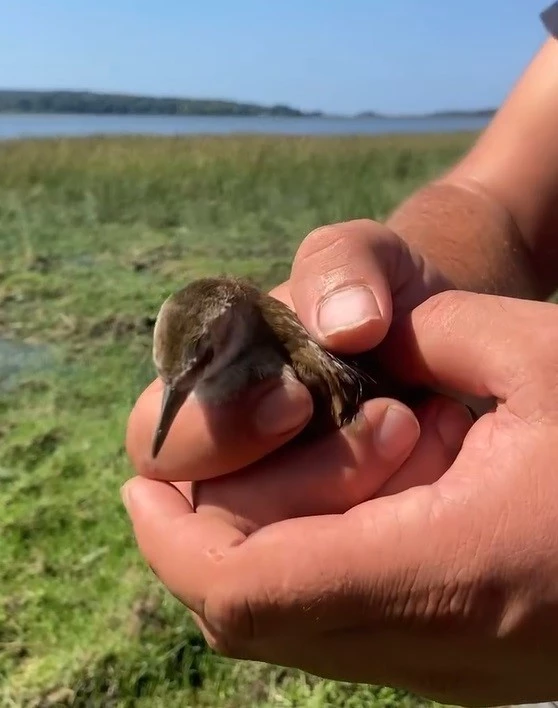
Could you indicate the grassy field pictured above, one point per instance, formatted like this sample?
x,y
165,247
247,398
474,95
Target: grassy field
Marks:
x,y
94,234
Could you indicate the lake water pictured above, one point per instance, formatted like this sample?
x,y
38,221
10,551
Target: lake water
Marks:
x,y
14,126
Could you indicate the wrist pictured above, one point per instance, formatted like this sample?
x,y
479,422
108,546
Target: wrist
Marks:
x,y
471,238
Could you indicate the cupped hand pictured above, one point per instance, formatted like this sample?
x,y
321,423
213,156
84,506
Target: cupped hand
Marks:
x,y
387,449
348,282
446,589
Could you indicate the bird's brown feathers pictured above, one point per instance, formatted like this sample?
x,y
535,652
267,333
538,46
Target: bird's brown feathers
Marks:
x,y
273,339
339,384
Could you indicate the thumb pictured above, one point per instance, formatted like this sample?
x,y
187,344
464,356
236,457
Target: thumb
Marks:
x,y
349,280
339,289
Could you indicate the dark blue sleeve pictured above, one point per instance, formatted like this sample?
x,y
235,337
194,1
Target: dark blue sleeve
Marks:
x,y
549,18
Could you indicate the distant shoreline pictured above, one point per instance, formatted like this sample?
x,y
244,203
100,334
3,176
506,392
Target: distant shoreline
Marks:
x,y
94,103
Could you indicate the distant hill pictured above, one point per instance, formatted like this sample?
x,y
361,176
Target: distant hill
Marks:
x,y
27,101
108,103
480,113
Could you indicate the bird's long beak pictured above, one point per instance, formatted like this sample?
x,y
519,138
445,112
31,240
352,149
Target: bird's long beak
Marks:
x,y
173,398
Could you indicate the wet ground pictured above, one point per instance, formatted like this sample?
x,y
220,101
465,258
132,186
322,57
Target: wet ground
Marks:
x,y
20,359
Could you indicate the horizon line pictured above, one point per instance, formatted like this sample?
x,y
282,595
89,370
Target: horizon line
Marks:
x,y
255,104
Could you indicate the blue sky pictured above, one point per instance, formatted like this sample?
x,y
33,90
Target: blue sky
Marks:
x,y
333,55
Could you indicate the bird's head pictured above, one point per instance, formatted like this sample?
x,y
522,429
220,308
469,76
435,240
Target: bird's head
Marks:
x,y
199,330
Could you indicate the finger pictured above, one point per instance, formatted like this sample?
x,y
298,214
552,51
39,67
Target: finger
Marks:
x,y
342,470
308,572
330,572
187,491
190,553
283,292
481,345
205,442
165,526
311,573
327,476
444,424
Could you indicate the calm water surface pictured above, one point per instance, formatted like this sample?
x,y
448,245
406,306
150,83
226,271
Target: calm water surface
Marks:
x,y
13,126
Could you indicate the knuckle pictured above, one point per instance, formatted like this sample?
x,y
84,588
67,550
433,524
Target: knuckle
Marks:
x,y
318,241
442,309
231,615
326,237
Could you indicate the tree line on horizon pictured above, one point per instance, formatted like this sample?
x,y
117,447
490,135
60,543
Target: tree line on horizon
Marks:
x,y
89,102
100,103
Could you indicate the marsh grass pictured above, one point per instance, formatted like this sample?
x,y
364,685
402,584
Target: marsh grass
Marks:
x,y
94,233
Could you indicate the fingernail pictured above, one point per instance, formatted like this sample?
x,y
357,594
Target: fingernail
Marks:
x,y
347,309
453,422
397,433
286,407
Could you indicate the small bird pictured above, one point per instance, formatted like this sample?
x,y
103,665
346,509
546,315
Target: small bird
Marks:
x,y
217,336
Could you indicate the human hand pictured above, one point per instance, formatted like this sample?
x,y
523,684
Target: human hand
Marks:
x,y
448,590
390,280
379,453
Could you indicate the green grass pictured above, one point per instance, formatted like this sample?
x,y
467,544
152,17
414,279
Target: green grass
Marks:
x,y
94,234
